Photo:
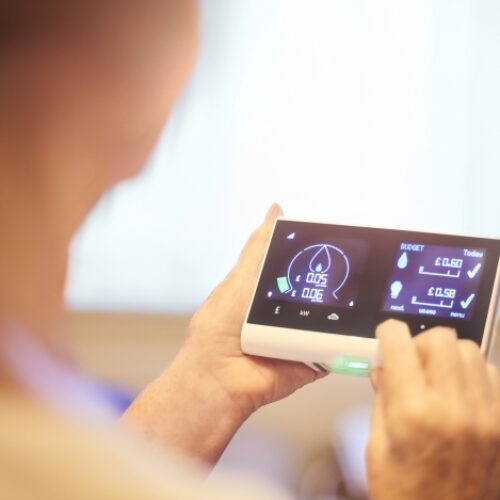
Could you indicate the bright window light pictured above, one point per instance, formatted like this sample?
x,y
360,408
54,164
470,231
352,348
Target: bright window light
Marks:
x,y
383,113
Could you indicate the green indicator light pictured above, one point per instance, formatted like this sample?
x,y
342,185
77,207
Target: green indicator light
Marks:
x,y
283,284
351,366
358,365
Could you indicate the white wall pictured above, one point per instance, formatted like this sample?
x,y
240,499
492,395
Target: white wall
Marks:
x,y
383,113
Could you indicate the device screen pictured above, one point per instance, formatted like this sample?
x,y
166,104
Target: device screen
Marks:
x,y
346,279
323,273
435,280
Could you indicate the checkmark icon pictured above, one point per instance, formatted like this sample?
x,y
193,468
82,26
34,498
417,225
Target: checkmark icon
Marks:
x,y
472,272
466,303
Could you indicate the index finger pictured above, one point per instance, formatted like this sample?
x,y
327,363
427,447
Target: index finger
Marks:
x,y
403,373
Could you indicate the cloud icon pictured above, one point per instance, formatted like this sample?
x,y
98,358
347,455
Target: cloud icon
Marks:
x,y
333,317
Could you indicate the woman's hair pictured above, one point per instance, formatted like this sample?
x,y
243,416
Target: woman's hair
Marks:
x,y
22,21
20,18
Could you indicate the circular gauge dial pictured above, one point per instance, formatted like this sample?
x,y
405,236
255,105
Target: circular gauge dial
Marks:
x,y
316,274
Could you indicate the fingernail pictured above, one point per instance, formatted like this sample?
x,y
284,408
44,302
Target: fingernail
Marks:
x,y
375,378
273,212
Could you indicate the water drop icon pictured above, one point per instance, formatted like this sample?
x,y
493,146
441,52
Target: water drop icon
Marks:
x,y
403,261
319,268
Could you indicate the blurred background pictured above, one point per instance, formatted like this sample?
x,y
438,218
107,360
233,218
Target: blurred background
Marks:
x,y
382,113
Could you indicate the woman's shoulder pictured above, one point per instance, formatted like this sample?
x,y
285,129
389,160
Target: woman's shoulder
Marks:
x,y
49,455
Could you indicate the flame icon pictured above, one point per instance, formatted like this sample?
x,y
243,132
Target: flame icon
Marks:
x,y
321,261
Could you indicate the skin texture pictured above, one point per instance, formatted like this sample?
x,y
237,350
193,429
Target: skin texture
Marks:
x,y
436,420
84,94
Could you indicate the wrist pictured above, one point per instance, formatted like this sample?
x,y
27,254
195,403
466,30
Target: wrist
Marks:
x,y
187,409
193,371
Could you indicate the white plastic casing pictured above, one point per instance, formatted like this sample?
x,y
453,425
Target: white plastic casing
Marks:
x,y
312,348
337,352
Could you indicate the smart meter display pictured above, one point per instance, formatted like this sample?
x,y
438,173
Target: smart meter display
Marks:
x,y
435,280
346,279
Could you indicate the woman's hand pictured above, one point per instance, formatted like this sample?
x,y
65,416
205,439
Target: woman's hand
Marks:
x,y
436,425
212,387
214,335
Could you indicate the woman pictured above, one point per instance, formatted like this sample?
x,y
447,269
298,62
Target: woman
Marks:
x,y
85,88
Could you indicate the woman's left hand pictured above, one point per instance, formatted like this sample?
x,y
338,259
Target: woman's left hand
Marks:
x,y
215,330
212,386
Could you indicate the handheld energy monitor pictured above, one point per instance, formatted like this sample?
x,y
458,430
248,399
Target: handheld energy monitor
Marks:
x,y
324,288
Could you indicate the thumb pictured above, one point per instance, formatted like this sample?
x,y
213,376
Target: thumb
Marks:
x,y
251,257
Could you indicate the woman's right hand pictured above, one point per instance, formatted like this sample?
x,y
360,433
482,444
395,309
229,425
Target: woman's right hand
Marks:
x,y
436,426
